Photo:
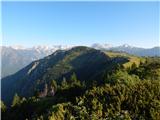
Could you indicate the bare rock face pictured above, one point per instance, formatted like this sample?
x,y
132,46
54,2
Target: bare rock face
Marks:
x,y
44,92
47,91
51,92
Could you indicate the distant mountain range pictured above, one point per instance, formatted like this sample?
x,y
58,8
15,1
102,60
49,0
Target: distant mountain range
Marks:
x,y
15,58
155,51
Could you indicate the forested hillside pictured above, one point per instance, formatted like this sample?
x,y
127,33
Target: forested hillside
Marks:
x,y
87,63
85,84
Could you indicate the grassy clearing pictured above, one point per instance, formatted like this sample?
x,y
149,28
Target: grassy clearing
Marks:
x,y
132,59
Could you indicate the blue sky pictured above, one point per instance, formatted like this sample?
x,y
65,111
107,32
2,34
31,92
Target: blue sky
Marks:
x,y
80,23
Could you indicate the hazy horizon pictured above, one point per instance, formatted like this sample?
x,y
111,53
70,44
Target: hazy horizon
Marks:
x,y
90,45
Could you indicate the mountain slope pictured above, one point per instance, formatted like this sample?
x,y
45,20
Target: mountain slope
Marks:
x,y
87,63
15,58
124,94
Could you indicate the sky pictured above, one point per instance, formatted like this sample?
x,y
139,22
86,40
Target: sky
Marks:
x,y
80,23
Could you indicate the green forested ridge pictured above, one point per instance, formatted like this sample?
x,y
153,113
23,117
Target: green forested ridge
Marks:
x,y
87,63
122,93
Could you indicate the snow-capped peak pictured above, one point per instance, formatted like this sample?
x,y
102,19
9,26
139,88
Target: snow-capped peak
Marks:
x,y
41,47
101,46
17,47
126,46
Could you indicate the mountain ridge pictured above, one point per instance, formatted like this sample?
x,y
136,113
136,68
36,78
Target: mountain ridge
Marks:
x,y
16,57
87,63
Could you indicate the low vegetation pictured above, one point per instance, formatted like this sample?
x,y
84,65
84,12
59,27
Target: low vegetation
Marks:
x,y
124,93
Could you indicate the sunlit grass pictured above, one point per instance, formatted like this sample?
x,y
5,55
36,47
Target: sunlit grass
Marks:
x,y
132,59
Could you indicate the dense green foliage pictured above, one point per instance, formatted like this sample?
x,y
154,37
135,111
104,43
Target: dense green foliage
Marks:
x,y
16,100
3,106
149,70
125,94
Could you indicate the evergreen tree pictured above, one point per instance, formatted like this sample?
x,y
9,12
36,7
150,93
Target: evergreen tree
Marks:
x,y
54,85
134,66
3,106
16,100
64,83
141,63
74,78
74,81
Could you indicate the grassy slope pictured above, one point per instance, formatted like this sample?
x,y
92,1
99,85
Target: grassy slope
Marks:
x,y
132,59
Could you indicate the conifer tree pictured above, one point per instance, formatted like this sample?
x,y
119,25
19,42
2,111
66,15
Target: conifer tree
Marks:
x,y
3,106
73,78
134,66
16,100
74,81
54,85
64,83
